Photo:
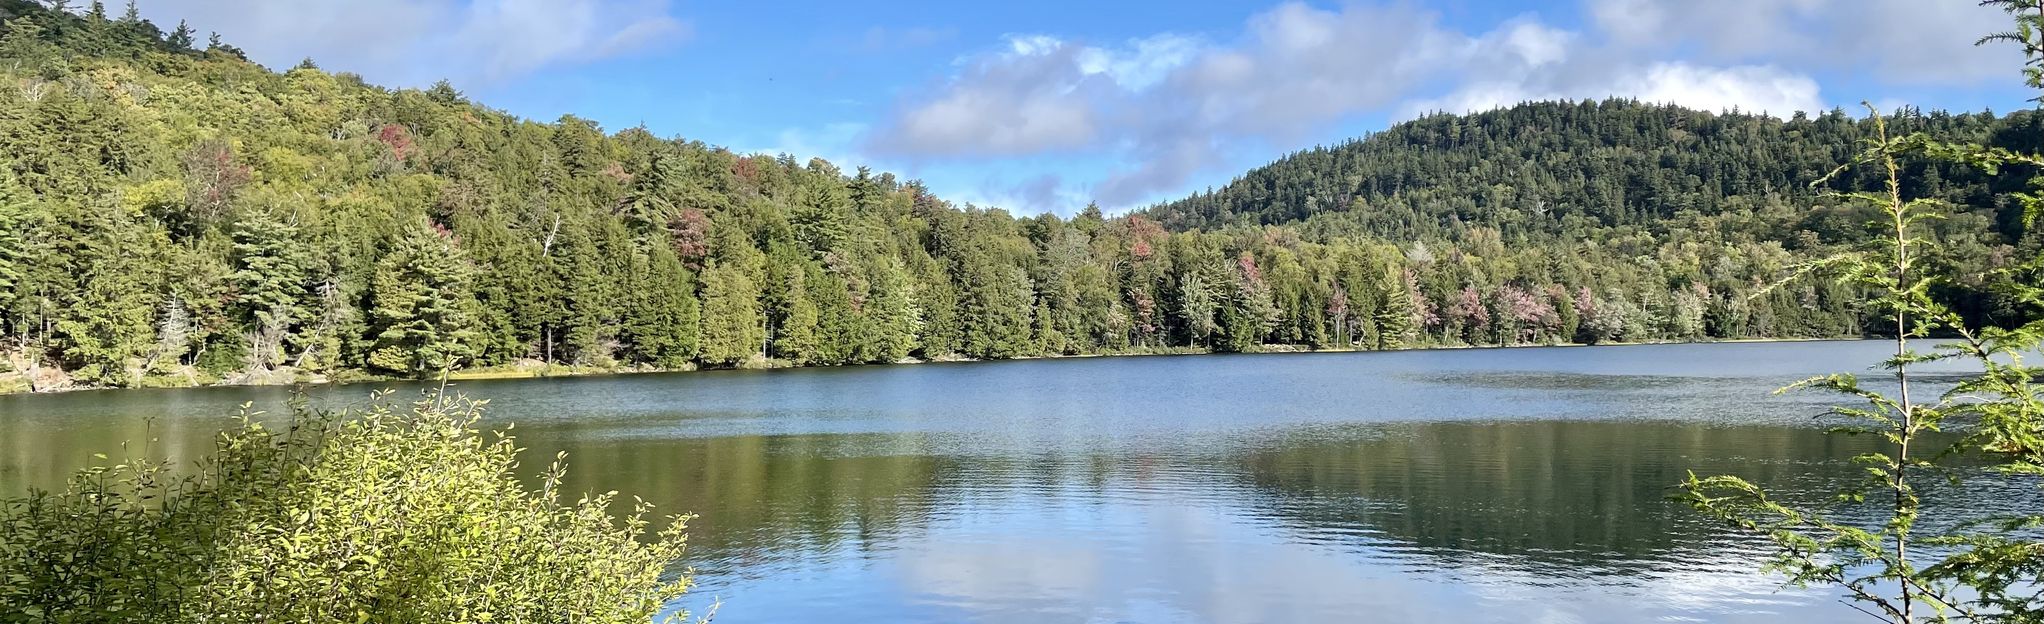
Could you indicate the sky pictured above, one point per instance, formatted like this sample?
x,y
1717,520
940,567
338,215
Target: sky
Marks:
x,y
1051,104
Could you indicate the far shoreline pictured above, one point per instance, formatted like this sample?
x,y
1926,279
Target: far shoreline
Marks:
x,y
551,371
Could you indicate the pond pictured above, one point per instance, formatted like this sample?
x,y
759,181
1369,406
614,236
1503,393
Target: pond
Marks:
x,y
1505,485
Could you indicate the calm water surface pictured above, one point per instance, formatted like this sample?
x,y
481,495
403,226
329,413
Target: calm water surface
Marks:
x,y
1520,485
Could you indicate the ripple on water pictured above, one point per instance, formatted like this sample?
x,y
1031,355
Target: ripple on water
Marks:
x,y
1471,486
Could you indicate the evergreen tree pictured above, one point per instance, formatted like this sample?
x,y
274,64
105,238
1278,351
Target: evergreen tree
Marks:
x,y
840,335
733,328
942,333
1250,313
423,312
272,273
664,326
1396,313
107,329
15,254
181,38
896,319
995,309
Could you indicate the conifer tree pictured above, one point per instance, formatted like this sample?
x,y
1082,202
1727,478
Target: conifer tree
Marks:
x,y
423,311
664,325
108,327
1396,311
272,274
896,319
1197,304
181,38
733,328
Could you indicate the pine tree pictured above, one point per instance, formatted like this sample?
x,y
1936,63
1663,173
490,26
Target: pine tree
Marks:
x,y
589,309
799,340
819,219
941,334
840,337
423,313
791,317
1250,313
272,275
995,309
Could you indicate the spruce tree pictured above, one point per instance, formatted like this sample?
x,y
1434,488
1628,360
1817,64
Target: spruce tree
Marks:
x,y
107,328
181,38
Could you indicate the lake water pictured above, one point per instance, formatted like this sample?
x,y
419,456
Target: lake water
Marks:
x,y
1514,485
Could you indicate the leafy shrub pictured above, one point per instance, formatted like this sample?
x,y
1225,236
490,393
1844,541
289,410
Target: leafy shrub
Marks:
x,y
387,515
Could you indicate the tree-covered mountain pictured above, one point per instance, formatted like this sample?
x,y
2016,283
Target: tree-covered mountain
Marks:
x,y
171,213
1564,169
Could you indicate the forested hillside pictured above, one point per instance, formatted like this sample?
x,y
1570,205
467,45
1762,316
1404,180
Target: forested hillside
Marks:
x,y
1569,169
171,213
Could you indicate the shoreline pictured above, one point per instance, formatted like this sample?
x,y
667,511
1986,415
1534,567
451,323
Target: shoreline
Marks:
x,y
545,371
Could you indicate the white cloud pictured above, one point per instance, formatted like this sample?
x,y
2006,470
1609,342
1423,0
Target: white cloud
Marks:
x,y
414,42
1746,88
1925,41
1144,63
1032,98
1173,106
1300,67
1538,45
1753,89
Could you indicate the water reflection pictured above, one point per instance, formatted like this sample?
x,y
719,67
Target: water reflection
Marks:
x,y
1518,485
1461,520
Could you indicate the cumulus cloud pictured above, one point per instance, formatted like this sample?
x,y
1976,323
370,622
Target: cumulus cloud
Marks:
x,y
1142,63
1746,88
414,42
1032,98
1172,106
1299,67
1921,41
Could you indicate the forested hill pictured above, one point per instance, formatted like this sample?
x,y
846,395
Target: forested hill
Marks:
x,y
1569,168
171,214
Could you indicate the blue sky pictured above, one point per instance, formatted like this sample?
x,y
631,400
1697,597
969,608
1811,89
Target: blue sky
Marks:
x,y
1048,105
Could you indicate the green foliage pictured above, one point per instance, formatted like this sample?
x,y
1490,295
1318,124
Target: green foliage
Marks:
x,y
664,321
288,215
380,515
272,272
1901,570
423,312
733,328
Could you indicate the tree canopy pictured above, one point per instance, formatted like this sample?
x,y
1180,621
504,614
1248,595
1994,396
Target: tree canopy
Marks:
x,y
177,215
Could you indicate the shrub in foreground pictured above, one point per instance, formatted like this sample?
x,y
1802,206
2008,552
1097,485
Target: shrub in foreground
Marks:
x,y
387,515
